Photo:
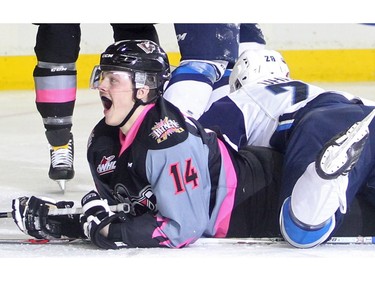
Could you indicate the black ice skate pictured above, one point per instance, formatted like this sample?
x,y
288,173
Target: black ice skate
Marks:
x,y
342,152
61,168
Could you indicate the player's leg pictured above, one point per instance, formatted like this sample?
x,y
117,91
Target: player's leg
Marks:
x,y
323,190
255,210
251,37
123,31
55,78
206,50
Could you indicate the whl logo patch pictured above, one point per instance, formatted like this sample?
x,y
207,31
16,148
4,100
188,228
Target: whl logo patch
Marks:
x,y
106,165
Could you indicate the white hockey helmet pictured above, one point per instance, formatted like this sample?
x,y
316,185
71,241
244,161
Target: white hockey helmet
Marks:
x,y
253,65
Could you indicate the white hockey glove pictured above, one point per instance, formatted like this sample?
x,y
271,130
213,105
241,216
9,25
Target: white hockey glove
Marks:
x,y
97,215
31,217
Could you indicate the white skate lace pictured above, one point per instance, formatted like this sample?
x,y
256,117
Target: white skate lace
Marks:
x,y
62,156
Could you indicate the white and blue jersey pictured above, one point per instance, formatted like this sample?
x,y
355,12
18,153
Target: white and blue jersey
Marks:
x,y
252,114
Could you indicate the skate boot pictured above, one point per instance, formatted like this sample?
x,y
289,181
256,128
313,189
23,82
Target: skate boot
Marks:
x,y
61,168
341,153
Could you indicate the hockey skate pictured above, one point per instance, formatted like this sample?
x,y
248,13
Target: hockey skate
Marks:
x,y
61,169
342,152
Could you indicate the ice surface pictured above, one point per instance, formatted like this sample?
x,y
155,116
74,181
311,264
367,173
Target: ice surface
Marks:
x,y
24,162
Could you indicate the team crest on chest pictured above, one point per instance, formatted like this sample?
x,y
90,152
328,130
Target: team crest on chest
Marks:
x,y
164,128
106,165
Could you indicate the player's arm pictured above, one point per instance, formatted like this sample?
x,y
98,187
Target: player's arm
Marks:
x,y
110,230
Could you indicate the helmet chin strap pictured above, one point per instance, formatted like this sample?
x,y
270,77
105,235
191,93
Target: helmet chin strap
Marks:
x,y
137,103
126,119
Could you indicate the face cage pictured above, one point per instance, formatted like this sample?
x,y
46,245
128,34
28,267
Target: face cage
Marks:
x,y
235,85
140,79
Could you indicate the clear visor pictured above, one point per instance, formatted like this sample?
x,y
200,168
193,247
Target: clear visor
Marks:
x,y
141,79
98,75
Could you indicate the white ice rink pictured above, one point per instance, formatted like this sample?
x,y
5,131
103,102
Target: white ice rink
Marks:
x,y
24,162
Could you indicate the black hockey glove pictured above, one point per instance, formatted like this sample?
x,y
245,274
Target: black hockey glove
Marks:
x,y
97,215
31,217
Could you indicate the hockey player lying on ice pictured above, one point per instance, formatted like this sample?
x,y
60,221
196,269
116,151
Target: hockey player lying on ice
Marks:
x,y
267,108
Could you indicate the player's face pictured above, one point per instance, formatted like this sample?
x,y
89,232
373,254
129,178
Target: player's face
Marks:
x,y
116,92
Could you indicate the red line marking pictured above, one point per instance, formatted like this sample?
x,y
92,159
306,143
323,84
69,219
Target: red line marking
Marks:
x,y
38,241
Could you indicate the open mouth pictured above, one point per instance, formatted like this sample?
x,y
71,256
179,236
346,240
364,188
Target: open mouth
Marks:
x,y
107,103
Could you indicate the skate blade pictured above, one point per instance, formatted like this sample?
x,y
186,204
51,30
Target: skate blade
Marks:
x,y
334,159
357,132
62,184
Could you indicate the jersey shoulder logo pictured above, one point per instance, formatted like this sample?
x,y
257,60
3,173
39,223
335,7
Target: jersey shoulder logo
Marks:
x,y
164,128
